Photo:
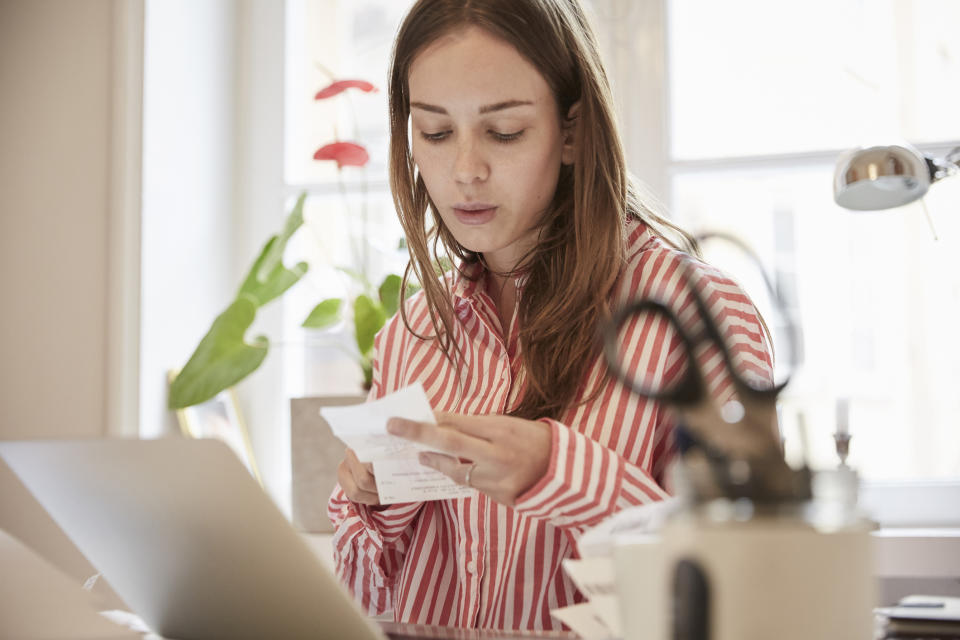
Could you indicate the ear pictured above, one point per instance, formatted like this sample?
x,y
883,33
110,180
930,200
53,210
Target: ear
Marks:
x,y
570,125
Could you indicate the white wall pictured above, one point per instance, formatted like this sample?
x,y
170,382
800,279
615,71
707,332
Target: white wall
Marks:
x,y
55,74
65,104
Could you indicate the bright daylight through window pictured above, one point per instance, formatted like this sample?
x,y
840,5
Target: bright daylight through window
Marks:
x,y
757,112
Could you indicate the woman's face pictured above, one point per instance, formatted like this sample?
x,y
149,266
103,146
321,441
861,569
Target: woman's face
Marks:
x,y
488,142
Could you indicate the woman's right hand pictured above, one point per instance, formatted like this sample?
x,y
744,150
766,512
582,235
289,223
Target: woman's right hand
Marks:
x,y
356,480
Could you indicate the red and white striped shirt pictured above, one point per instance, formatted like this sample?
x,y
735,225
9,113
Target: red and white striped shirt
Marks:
x,y
472,562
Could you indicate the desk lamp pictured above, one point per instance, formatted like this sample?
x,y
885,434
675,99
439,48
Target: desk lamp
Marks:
x,y
888,176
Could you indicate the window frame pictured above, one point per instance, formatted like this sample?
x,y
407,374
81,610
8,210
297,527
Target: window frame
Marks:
x,y
646,130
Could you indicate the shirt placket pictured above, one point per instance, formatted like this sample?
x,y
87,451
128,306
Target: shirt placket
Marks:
x,y
473,567
502,356
473,554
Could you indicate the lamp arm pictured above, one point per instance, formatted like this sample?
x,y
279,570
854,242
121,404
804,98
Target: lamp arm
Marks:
x,y
953,157
942,167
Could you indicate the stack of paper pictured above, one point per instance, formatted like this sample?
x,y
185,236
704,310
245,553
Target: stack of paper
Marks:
x,y
599,617
922,616
594,574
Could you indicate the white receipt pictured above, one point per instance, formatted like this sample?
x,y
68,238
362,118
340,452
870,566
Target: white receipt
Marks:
x,y
400,476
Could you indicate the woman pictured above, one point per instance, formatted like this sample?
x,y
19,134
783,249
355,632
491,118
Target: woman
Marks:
x,y
513,151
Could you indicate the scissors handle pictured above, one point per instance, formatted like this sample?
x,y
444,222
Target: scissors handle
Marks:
x,y
690,388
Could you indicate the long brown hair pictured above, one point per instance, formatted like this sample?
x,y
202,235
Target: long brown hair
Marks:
x,y
581,249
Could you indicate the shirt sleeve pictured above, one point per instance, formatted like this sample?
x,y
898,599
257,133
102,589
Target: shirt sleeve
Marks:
x,y
586,482
370,542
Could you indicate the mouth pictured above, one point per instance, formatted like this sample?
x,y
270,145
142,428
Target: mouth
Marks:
x,y
473,213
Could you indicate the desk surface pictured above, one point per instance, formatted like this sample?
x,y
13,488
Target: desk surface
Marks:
x,y
400,631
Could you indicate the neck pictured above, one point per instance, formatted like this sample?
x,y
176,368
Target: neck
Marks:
x,y
503,291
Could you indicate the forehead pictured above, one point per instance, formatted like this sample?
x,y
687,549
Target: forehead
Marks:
x,y
471,67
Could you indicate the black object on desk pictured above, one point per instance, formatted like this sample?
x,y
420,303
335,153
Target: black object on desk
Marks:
x,y
919,617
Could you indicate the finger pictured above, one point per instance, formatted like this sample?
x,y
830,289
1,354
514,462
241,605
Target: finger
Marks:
x,y
350,488
447,465
482,427
362,472
443,439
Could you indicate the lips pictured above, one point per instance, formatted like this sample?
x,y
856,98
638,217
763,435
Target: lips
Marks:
x,y
474,213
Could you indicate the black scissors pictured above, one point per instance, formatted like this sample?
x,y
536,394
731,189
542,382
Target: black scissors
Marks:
x,y
734,450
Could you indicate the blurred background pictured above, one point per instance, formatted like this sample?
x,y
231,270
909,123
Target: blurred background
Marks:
x,y
148,148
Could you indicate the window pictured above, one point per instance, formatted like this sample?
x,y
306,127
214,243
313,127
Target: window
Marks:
x,y
349,215
760,99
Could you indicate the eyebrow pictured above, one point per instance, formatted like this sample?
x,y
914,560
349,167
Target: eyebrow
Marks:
x,y
487,108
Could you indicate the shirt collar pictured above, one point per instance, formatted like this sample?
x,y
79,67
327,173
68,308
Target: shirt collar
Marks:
x,y
468,283
467,280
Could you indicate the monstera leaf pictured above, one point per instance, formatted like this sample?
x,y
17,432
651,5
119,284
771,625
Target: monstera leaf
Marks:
x,y
272,256
276,281
268,277
222,358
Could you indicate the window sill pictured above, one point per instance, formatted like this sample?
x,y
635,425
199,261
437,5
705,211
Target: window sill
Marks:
x,y
917,553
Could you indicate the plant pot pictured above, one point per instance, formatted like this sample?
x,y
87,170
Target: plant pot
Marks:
x,y
315,454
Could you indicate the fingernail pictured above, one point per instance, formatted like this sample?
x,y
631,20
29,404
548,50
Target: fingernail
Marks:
x,y
395,426
424,459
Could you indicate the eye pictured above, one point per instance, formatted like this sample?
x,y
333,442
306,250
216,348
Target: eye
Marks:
x,y
439,136
506,137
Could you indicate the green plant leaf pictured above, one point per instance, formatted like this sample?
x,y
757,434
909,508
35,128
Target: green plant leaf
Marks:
x,y
368,318
273,257
358,277
442,265
324,314
390,294
222,358
277,281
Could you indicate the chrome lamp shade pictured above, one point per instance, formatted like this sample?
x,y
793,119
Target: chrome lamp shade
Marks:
x,y
883,177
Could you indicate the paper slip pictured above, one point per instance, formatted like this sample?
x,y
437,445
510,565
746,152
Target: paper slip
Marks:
x,y
400,477
584,621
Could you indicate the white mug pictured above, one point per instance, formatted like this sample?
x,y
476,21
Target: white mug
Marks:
x,y
762,578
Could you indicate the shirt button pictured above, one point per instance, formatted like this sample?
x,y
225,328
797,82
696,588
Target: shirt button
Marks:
x,y
471,567
344,511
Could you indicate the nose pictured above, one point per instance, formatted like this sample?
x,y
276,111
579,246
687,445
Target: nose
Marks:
x,y
470,165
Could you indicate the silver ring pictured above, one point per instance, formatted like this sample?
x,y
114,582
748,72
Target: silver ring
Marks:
x,y
466,478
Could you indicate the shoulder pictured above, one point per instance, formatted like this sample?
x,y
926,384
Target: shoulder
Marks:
x,y
654,268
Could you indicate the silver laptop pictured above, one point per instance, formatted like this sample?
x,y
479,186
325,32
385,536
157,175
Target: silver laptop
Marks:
x,y
188,539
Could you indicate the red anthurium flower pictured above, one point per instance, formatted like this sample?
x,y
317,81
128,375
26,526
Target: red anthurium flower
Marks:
x,y
342,85
345,154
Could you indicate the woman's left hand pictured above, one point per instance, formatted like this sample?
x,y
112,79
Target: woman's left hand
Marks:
x,y
499,455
